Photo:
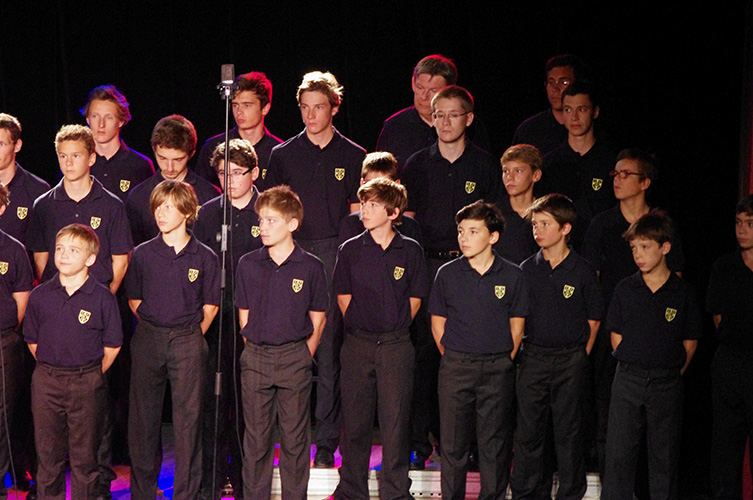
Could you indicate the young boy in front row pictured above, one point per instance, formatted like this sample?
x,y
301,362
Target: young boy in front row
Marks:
x,y
380,278
173,288
655,323
566,311
282,298
478,306
73,330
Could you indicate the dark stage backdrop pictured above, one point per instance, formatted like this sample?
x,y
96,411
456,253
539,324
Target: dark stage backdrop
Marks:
x,y
671,76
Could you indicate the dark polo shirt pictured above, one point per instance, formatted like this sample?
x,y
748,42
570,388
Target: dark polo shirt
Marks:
x,y
730,294
352,226
437,189
279,298
15,276
563,299
100,209
653,325
541,130
173,287
126,169
263,149
405,133
24,188
381,281
516,243
72,330
478,308
140,216
326,179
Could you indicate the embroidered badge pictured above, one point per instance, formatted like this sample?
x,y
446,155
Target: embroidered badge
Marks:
x,y
255,231
470,187
567,291
3,267
398,272
83,316
339,174
193,274
596,183
670,314
22,212
264,173
297,285
95,222
499,291
125,185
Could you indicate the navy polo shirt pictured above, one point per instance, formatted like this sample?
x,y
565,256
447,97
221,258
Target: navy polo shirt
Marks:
x,y
516,243
100,209
263,148
730,294
437,189
24,188
405,133
140,216
478,308
126,169
173,287
244,232
606,250
541,130
352,226
653,325
326,179
72,330
563,299
15,276
279,298
381,281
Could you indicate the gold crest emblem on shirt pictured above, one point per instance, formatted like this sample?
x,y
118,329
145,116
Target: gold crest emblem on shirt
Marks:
x,y
339,174
670,314
22,212
297,285
398,272
470,187
499,291
125,185
95,222
193,274
567,291
83,316
255,231
3,267
264,173
596,183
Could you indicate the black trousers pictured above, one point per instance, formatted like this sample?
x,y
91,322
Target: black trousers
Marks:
x,y
377,373
12,366
476,388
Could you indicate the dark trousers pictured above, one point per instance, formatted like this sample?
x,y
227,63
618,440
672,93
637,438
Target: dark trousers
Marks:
x,y
12,366
549,381
276,382
67,405
377,371
476,388
160,355
24,452
732,398
327,412
643,401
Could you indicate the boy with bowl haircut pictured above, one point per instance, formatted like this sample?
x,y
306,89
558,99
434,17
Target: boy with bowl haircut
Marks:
x,y
73,329
566,310
173,290
655,323
380,278
478,306
281,294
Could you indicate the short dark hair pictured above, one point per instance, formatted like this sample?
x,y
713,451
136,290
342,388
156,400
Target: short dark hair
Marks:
x,y
745,206
437,65
75,133
655,225
573,61
86,234
560,207
487,212
524,153
380,162
12,125
646,161
240,152
281,199
175,132
451,92
112,94
581,87
182,194
258,83
390,193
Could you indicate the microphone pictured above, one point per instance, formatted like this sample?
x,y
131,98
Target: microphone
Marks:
x,y
228,74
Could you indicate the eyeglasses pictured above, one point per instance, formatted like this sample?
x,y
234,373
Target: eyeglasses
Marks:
x,y
453,117
235,173
562,82
623,174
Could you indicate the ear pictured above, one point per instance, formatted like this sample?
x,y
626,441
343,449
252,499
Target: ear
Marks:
x,y
190,155
2,209
293,224
413,84
645,183
666,247
395,213
362,181
469,119
17,147
566,228
536,176
335,109
92,159
265,109
90,260
254,174
596,112
494,237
